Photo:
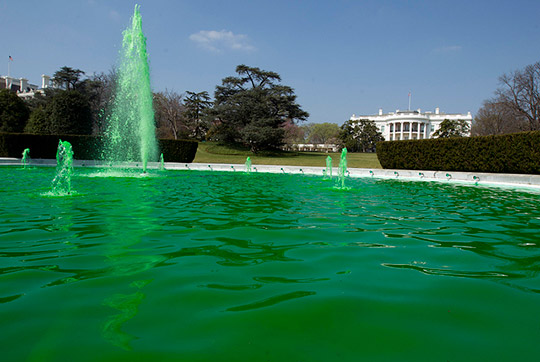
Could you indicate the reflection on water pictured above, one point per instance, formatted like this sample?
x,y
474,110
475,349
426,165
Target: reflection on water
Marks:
x,y
270,301
127,221
193,262
235,252
458,273
128,305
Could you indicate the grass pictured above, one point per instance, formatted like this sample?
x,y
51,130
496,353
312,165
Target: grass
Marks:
x,y
211,152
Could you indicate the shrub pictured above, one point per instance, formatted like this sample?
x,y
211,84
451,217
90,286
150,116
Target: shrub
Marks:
x,y
44,146
509,153
178,150
84,147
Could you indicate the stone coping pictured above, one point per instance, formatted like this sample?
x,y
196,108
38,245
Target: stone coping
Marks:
x,y
473,178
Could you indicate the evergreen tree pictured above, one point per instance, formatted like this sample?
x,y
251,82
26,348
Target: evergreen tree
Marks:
x,y
66,110
70,113
196,107
63,112
67,77
38,123
252,109
14,112
452,128
360,136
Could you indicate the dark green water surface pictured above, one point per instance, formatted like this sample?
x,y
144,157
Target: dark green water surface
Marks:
x,y
202,266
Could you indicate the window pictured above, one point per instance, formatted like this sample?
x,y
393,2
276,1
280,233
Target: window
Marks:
x,y
382,129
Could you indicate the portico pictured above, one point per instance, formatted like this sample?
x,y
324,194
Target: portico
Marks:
x,y
411,125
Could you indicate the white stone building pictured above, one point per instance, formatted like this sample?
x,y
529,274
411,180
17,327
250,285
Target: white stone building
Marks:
x,y
22,87
411,125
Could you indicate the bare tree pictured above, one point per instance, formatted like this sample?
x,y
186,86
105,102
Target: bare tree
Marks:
x,y
322,132
520,94
99,88
169,111
293,133
496,117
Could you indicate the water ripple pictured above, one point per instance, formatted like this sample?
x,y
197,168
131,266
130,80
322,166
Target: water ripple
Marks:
x,y
271,301
454,273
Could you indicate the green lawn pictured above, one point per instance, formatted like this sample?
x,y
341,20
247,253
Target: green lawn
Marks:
x,y
210,152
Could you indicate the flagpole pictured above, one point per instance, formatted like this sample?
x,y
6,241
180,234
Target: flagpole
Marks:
x,y
409,101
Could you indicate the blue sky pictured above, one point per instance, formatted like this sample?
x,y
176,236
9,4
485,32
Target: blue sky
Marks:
x,y
341,57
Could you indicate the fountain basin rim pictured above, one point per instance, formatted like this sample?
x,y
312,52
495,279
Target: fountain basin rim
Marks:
x,y
471,178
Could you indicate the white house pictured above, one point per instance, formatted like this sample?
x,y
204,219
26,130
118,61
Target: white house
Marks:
x,y
411,125
22,87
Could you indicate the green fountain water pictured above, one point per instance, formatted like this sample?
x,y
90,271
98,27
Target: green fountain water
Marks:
x,y
248,165
328,170
61,184
161,163
25,157
342,170
131,132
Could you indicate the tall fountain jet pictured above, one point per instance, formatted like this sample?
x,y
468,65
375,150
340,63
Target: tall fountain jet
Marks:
x,y
131,134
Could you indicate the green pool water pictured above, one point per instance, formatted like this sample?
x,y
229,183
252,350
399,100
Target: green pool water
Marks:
x,y
207,266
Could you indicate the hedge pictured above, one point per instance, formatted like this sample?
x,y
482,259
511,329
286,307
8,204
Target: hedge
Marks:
x,y
84,147
178,150
509,153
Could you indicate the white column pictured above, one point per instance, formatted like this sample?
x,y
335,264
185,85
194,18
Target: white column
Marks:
x,y
23,84
45,81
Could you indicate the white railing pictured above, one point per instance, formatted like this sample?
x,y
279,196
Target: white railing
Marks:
x,y
312,147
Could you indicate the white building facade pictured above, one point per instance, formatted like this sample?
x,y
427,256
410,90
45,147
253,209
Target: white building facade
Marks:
x,y
411,125
22,87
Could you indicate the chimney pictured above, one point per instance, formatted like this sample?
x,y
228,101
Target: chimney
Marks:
x,y
437,110
45,81
380,111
